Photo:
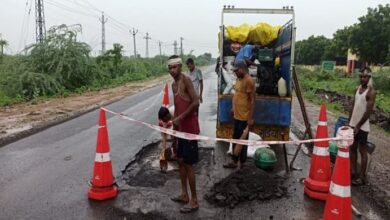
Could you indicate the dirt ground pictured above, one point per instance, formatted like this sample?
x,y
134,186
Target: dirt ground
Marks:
x,y
23,119
379,116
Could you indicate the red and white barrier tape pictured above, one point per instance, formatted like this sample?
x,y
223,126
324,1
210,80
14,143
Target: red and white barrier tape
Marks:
x,y
189,136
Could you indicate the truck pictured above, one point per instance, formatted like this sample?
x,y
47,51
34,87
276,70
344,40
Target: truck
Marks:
x,y
272,116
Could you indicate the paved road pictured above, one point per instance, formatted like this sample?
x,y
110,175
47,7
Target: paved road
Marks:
x,y
45,175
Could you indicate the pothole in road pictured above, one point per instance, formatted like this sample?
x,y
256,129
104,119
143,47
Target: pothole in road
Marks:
x,y
144,171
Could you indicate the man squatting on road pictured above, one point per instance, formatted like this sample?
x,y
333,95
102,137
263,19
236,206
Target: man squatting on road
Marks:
x,y
362,108
185,119
243,108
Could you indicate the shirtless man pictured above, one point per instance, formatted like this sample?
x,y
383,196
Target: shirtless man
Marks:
x,y
185,119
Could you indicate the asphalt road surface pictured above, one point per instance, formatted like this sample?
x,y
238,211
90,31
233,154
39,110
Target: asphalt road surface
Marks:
x,y
46,175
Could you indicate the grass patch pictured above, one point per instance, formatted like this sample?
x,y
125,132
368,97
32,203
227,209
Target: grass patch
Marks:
x,y
337,81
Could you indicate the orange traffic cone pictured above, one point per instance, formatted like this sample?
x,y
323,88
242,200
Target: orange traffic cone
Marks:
x,y
318,181
339,203
102,183
165,101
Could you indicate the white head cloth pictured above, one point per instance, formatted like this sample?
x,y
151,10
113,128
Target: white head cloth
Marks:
x,y
174,61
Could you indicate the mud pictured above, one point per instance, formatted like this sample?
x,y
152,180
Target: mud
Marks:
x,y
144,169
115,213
379,116
247,184
375,195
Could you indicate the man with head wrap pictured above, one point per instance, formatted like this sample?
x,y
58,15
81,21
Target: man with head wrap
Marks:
x,y
185,119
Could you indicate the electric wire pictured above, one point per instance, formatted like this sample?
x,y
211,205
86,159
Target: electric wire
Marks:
x,y
23,24
114,24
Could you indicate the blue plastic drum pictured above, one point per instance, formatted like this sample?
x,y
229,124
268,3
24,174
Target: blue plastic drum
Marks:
x,y
340,122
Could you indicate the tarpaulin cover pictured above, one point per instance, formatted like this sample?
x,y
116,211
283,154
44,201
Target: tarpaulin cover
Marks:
x,y
261,33
238,33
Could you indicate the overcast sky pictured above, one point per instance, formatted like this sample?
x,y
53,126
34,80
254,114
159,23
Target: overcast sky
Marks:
x,y
197,21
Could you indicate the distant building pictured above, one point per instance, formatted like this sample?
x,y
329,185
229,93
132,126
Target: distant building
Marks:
x,y
352,62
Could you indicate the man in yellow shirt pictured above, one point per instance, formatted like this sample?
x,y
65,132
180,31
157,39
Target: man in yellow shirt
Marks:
x,y
243,108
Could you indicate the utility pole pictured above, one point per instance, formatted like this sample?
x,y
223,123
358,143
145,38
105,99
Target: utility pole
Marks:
x,y
40,28
134,32
159,46
2,44
175,48
181,47
103,21
147,44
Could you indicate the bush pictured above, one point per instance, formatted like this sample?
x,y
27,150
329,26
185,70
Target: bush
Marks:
x,y
61,65
381,80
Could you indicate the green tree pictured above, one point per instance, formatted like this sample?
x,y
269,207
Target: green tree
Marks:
x,y
339,44
64,58
311,50
371,36
111,61
56,64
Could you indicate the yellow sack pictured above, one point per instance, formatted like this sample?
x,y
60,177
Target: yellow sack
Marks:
x,y
263,33
238,34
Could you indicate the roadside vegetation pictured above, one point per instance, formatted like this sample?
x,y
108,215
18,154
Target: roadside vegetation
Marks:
x,y
314,80
368,39
61,65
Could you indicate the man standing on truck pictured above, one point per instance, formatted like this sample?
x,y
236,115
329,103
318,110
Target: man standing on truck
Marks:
x,y
243,109
185,120
362,108
247,53
197,79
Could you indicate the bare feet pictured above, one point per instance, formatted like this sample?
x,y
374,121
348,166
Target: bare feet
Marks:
x,y
180,199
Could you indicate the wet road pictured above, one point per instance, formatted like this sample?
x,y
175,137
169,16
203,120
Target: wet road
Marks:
x,y
44,176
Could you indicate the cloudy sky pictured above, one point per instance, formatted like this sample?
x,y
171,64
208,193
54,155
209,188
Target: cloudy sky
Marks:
x,y
197,21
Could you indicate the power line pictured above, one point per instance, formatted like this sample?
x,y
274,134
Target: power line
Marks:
x,y
90,5
84,7
67,8
23,23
